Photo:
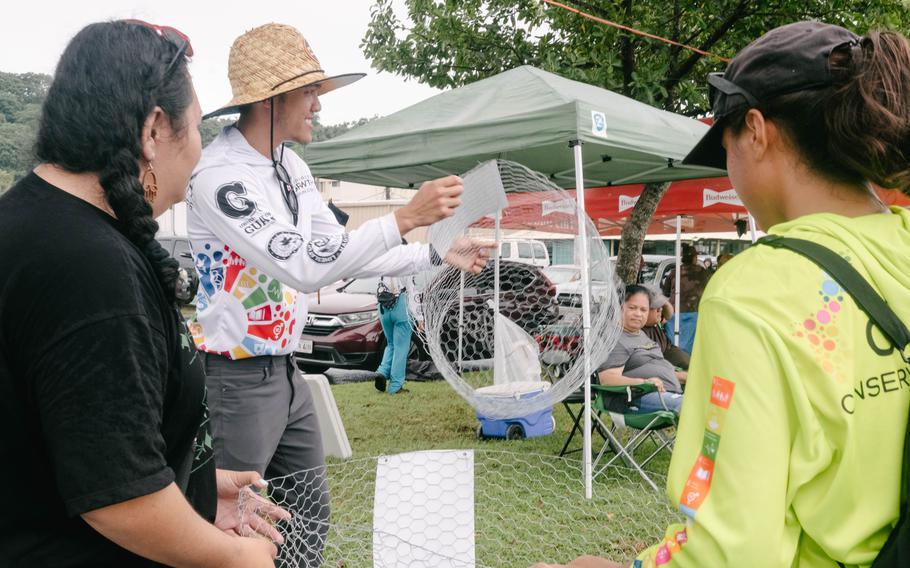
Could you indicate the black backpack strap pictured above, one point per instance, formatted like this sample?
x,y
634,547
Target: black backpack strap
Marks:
x,y
868,300
896,550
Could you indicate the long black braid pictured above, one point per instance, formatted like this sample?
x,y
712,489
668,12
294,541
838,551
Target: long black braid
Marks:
x,y
107,82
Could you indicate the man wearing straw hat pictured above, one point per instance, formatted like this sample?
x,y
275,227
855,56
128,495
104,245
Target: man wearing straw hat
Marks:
x,y
260,233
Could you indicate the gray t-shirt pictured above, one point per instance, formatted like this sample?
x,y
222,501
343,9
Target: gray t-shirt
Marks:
x,y
641,358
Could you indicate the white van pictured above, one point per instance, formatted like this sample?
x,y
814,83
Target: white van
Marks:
x,y
526,251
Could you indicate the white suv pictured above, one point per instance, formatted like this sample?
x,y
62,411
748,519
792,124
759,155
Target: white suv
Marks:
x,y
525,251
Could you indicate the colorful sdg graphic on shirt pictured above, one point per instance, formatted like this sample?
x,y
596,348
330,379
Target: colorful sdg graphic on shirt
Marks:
x,y
270,308
820,328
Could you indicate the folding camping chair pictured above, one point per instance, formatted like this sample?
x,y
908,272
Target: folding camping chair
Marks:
x,y
577,398
651,426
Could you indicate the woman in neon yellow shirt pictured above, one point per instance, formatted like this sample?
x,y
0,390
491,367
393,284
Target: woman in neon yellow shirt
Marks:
x,y
790,445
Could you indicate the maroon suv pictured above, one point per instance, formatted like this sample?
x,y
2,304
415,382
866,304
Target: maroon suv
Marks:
x,y
342,328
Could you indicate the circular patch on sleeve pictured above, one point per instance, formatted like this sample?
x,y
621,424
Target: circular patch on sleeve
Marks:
x,y
327,249
284,243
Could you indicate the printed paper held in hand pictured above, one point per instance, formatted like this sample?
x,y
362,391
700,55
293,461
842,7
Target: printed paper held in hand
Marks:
x,y
483,195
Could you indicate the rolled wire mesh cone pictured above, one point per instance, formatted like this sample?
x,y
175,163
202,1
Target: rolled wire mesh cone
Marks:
x,y
519,323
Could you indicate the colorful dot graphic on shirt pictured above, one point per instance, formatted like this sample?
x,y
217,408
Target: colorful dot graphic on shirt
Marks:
x,y
269,306
820,328
697,486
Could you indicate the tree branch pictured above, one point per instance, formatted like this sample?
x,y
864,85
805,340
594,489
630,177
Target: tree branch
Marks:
x,y
675,76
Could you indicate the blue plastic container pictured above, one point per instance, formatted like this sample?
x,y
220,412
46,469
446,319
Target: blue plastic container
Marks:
x,y
537,424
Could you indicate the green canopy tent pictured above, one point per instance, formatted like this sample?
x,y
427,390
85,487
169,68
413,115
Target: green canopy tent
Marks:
x,y
577,134
524,115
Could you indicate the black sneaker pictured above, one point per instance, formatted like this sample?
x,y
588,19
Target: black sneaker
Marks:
x,y
379,382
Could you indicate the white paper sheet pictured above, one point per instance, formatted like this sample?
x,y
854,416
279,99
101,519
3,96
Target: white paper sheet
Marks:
x,y
483,196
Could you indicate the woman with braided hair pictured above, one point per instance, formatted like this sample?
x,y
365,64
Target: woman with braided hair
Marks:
x,y
103,422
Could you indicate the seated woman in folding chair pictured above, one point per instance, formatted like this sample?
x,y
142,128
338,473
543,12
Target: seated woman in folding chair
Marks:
x,y
792,444
637,359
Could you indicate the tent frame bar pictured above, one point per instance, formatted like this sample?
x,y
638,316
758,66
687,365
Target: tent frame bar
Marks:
x,y
582,218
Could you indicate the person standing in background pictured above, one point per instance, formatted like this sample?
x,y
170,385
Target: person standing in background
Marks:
x,y
392,299
692,281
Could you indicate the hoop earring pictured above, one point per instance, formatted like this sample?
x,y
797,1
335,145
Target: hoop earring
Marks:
x,y
149,183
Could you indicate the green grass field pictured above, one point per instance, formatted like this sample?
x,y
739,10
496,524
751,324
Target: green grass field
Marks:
x,y
529,504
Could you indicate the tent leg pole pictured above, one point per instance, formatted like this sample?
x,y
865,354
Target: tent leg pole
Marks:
x,y
496,267
498,239
752,227
460,322
585,305
677,277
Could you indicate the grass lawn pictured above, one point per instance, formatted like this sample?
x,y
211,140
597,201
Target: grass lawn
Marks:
x,y
529,504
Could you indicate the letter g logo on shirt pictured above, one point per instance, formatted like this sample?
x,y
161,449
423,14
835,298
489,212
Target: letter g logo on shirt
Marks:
x,y
231,201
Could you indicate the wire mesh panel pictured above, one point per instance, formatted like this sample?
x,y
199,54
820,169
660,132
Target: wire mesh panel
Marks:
x,y
518,322
527,508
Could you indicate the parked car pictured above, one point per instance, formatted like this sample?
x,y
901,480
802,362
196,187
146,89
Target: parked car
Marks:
x,y
179,249
657,266
525,251
342,328
567,278
526,296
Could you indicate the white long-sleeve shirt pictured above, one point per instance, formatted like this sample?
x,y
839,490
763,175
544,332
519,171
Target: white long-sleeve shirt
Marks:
x,y
252,260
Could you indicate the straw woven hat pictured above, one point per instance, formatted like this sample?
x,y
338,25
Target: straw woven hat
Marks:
x,y
274,59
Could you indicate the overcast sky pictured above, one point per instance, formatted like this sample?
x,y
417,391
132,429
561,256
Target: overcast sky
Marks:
x,y
33,34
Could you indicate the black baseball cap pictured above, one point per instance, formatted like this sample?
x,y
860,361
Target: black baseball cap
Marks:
x,y
785,60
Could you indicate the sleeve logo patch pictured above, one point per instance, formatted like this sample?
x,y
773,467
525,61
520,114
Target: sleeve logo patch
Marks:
x,y
327,249
231,201
698,484
255,224
721,392
283,244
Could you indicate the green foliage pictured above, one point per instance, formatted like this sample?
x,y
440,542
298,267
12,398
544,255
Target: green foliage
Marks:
x,y
323,132
449,44
21,96
26,87
15,147
20,107
212,127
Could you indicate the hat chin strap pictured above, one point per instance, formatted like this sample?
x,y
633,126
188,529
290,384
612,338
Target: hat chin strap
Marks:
x,y
272,136
272,131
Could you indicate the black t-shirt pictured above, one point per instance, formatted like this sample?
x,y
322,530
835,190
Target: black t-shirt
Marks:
x,y
102,396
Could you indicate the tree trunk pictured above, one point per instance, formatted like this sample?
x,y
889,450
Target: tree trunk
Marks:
x,y
635,229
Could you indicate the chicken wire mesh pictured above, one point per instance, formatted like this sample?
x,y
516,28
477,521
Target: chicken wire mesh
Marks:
x,y
526,508
510,339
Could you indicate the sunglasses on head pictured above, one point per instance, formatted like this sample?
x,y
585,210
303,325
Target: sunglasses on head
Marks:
x,y
172,35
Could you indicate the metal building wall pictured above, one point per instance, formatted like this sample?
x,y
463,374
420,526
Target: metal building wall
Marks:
x,y
362,211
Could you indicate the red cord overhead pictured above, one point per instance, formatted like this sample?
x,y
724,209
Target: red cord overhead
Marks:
x,y
636,32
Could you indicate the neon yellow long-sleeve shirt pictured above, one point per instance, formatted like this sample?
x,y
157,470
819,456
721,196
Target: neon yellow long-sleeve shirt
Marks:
x,y
790,444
